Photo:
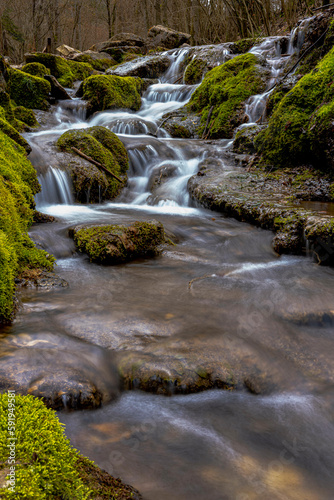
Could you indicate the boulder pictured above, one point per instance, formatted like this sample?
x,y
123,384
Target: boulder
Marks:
x,y
144,67
57,91
67,51
161,36
118,244
160,175
118,40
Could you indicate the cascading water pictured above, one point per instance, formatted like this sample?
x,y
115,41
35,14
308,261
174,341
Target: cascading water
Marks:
x,y
56,188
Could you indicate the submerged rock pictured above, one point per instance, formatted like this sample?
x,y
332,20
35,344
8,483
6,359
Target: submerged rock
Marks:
x,y
117,244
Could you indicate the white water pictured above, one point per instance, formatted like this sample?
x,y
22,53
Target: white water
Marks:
x,y
56,188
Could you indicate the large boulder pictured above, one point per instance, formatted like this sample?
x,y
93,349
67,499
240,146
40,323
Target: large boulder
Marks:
x,y
117,244
100,61
119,40
111,92
67,51
144,67
161,36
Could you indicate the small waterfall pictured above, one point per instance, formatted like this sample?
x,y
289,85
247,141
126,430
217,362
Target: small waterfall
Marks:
x,y
72,111
297,37
169,92
56,188
175,71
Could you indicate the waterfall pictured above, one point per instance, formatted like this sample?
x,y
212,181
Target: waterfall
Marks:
x,y
56,188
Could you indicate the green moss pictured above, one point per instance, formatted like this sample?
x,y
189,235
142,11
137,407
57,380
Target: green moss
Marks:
x,y
45,462
225,89
36,69
18,184
103,146
111,92
26,116
244,140
287,139
194,71
244,45
11,132
97,64
64,70
27,90
116,244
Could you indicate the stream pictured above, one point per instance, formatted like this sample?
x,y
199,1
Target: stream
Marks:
x,y
219,298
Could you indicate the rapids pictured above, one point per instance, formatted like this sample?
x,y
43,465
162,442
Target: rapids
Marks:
x,y
220,297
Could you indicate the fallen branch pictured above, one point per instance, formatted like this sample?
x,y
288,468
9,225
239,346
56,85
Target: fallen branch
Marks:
x,y
88,158
323,7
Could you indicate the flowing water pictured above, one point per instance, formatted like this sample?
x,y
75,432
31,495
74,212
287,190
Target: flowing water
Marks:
x,y
221,298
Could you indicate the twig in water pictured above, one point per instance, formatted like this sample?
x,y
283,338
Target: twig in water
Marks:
x,y
199,279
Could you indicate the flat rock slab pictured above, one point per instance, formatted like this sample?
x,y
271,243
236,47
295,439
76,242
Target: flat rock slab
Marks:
x,y
144,67
64,372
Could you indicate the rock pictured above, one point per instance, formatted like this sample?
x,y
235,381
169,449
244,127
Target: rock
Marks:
x,y
57,91
67,51
90,183
45,280
64,372
181,124
117,244
244,140
144,67
120,39
111,92
40,218
161,36
160,175
100,61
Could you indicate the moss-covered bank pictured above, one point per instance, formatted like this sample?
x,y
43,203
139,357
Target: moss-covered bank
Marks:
x,y
18,185
300,128
46,466
65,70
223,93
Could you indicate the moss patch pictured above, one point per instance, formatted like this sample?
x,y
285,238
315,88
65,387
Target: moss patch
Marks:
x,y
244,45
112,92
103,146
117,244
64,70
291,133
194,71
225,89
36,69
26,116
18,184
27,90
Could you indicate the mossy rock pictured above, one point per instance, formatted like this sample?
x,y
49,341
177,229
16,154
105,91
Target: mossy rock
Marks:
x,y
18,185
112,92
26,116
65,71
194,71
117,244
290,136
104,147
46,465
244,140
11,132
100,64
224,90
36,69
27,90
244,45
176,130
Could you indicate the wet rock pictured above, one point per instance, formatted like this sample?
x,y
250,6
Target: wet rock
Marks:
x,y
98,60
144,67
202,59
117,244
40,218
58,376
44,280
161,36
102,484
160,175
120,39
244,140
181,124
57,91
265,201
